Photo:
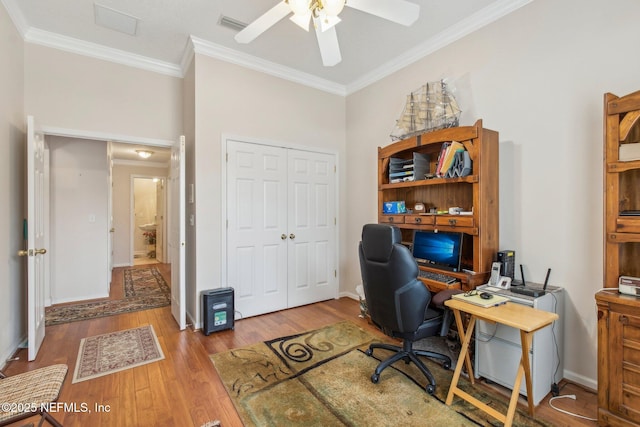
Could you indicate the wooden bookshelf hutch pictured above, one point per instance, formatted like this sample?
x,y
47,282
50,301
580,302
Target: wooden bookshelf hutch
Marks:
x,y
477,192
619,315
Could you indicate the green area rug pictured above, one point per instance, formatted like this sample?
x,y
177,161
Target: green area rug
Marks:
x,y
323,378
144,288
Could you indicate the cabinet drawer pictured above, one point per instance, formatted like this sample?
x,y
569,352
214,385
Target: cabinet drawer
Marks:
x,y
391,219
455,221
419,219
628,225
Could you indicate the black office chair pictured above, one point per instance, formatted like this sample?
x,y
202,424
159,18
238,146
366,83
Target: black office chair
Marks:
x,y
397,301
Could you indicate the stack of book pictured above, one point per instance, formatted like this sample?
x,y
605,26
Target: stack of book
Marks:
x,y
403,170
447,156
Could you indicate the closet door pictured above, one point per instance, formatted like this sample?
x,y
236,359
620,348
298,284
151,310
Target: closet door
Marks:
x,y
257,235
311,226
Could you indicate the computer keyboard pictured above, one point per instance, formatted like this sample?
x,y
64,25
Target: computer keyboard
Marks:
x,y
438,277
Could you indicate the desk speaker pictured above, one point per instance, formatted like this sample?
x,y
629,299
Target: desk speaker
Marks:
x,y
217,310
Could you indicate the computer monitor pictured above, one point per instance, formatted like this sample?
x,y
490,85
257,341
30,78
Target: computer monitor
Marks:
x,y
441,249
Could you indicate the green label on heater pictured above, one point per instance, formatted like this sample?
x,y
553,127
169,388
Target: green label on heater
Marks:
x,y
220,318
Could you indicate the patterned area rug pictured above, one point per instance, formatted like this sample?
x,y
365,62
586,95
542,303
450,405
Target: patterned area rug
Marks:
x,y
323,377
144,288
116,351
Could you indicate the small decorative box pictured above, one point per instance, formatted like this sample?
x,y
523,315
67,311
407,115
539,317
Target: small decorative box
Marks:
x,y
396,207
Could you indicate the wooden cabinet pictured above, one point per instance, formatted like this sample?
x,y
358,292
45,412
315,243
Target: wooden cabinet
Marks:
x,y
619,315
477,192
618,359
622,187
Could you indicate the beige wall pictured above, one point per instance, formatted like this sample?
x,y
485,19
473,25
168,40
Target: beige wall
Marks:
x,y
537,77
78,219
236,101
69,91
12,187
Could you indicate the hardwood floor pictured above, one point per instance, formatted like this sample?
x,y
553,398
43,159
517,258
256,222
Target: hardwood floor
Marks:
x,y
184,388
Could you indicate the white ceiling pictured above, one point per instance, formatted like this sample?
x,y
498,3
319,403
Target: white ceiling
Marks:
x,y
122,151
169,30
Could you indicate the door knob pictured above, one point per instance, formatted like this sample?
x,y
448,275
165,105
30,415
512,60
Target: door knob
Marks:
x,y
112,230
32,252
292,236
283,236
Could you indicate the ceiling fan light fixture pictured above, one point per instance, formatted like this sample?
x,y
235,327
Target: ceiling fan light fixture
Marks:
x,y
301,20
300,7
332,7
328,21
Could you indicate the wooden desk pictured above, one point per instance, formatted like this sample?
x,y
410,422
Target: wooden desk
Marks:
x,y
526,319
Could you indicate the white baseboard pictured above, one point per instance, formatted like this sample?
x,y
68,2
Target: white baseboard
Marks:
x,y
349,295
591,383
124,264
8,353
81,298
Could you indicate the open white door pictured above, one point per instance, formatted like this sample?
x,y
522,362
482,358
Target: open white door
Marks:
x,y
35,252
177,232
110,209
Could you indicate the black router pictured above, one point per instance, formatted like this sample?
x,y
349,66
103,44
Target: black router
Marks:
x,y
530,291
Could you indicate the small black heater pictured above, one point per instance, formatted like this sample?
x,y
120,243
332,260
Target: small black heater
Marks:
x,y
217,310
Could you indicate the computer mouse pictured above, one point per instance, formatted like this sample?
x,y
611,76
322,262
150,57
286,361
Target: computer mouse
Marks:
x,y
486,295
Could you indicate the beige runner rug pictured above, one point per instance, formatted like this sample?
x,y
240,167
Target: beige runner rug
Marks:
x,y
116,351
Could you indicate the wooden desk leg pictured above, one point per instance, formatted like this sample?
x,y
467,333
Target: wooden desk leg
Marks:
x,y
524,368
465,338
526,339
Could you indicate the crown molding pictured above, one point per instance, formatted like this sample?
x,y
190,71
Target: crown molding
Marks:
x,y
213,50
489,14
94,50
16,16
483,17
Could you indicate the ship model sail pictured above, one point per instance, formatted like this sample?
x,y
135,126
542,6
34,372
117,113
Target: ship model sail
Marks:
x,y
431,107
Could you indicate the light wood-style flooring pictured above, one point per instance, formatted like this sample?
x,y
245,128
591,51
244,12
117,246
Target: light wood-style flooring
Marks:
x,y
184,388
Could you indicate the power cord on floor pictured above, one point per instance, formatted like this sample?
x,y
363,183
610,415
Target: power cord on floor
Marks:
x,y
570,396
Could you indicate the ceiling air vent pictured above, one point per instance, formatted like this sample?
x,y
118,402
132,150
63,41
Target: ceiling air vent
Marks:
x,y
234,24
115,20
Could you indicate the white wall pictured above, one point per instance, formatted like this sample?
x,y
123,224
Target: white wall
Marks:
x,y
79,226
12,188
66,90
122,174
236,101
537,77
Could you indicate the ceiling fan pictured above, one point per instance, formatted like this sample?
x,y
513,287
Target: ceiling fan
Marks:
x,y
324,14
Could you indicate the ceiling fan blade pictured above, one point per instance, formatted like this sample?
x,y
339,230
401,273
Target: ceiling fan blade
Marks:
x,y
263,23
398,11
328,43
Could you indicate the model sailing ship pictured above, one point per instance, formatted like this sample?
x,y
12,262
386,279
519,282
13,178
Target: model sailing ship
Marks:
x,y
429,108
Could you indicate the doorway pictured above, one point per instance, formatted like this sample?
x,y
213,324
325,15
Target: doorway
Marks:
x,y
148,210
